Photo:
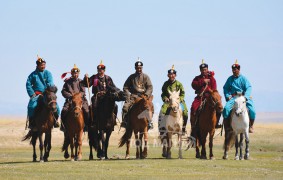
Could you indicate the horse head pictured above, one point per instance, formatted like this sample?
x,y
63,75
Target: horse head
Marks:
x,y
174,100
77,103
147,107
50,98
240,105
215,100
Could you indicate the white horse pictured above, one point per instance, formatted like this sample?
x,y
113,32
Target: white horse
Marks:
x,y
240,125
173,122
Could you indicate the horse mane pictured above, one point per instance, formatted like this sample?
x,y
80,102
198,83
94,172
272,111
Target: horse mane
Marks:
x,y
52,89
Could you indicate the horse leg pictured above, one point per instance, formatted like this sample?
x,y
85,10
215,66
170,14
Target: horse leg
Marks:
x,y
236,147
241,146
211,135
225,156
33,141
144,153
76,144
41,147
102,137
66,143
180,146
164,151
128,150
138,144
90,143
169,145
99,148
197,148
47,146
203,149
247,153
108,134
71,138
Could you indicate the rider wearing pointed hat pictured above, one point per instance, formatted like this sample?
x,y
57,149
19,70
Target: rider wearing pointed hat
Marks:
x,y
36,84
235,84
137,84
172,85
72,86
202,84
101,84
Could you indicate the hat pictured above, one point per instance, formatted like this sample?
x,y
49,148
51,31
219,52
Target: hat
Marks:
x,y
138,63
75,69
101,66
172,70
203,65
236,65
39,60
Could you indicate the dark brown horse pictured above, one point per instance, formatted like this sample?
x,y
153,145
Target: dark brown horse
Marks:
x,y
104,119
74,128
139,114
44,119
206,123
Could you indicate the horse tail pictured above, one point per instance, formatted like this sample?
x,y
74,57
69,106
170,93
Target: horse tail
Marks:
x,y
230,137
127,135
28,135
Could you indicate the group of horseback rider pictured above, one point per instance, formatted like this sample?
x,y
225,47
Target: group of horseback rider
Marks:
x,y
138,84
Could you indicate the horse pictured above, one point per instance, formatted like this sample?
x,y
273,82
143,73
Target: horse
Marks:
x,y
105,113
206,122
239,125
44,119
74,126
173,121
139,114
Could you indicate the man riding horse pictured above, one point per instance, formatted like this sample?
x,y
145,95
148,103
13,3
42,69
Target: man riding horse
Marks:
x,y
72,86
136,85
173,85
238,84
101,84
36,84
202,84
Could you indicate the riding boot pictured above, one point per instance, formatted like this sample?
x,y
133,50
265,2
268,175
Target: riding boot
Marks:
x,y
56,123
63,120
251,129
124,120
218,116
31,123
185,120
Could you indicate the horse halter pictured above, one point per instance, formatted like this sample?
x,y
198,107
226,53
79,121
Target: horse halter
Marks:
x,y
50,102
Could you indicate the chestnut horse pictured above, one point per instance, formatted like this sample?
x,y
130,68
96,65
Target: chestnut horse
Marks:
x,y
44,120
74,128
206,123
138,115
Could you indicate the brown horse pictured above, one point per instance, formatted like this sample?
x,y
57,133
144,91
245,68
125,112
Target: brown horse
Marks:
x,y
44,120
206,122
74,129
139,114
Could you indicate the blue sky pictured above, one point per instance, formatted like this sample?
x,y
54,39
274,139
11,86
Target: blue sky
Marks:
x,y
160,32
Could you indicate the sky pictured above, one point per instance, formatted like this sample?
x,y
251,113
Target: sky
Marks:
x,y
160,32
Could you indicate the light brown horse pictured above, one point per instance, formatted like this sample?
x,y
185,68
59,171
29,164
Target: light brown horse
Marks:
x,y
206,122
44,120
74,128
139,114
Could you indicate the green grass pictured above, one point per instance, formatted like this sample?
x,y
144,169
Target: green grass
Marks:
x,y
266,161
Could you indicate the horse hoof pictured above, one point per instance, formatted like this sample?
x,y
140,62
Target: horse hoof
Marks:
x,y
197,156
212,158
66,156
90,158
72,159
34,160
45,160
246,157
102,158
236,158
203,157
41,161
127,157
164,155
225,157
180,157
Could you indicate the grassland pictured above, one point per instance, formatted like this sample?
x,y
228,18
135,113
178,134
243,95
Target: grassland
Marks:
x,y
266,160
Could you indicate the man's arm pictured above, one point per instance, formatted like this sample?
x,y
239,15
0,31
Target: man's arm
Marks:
x,y
29,85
